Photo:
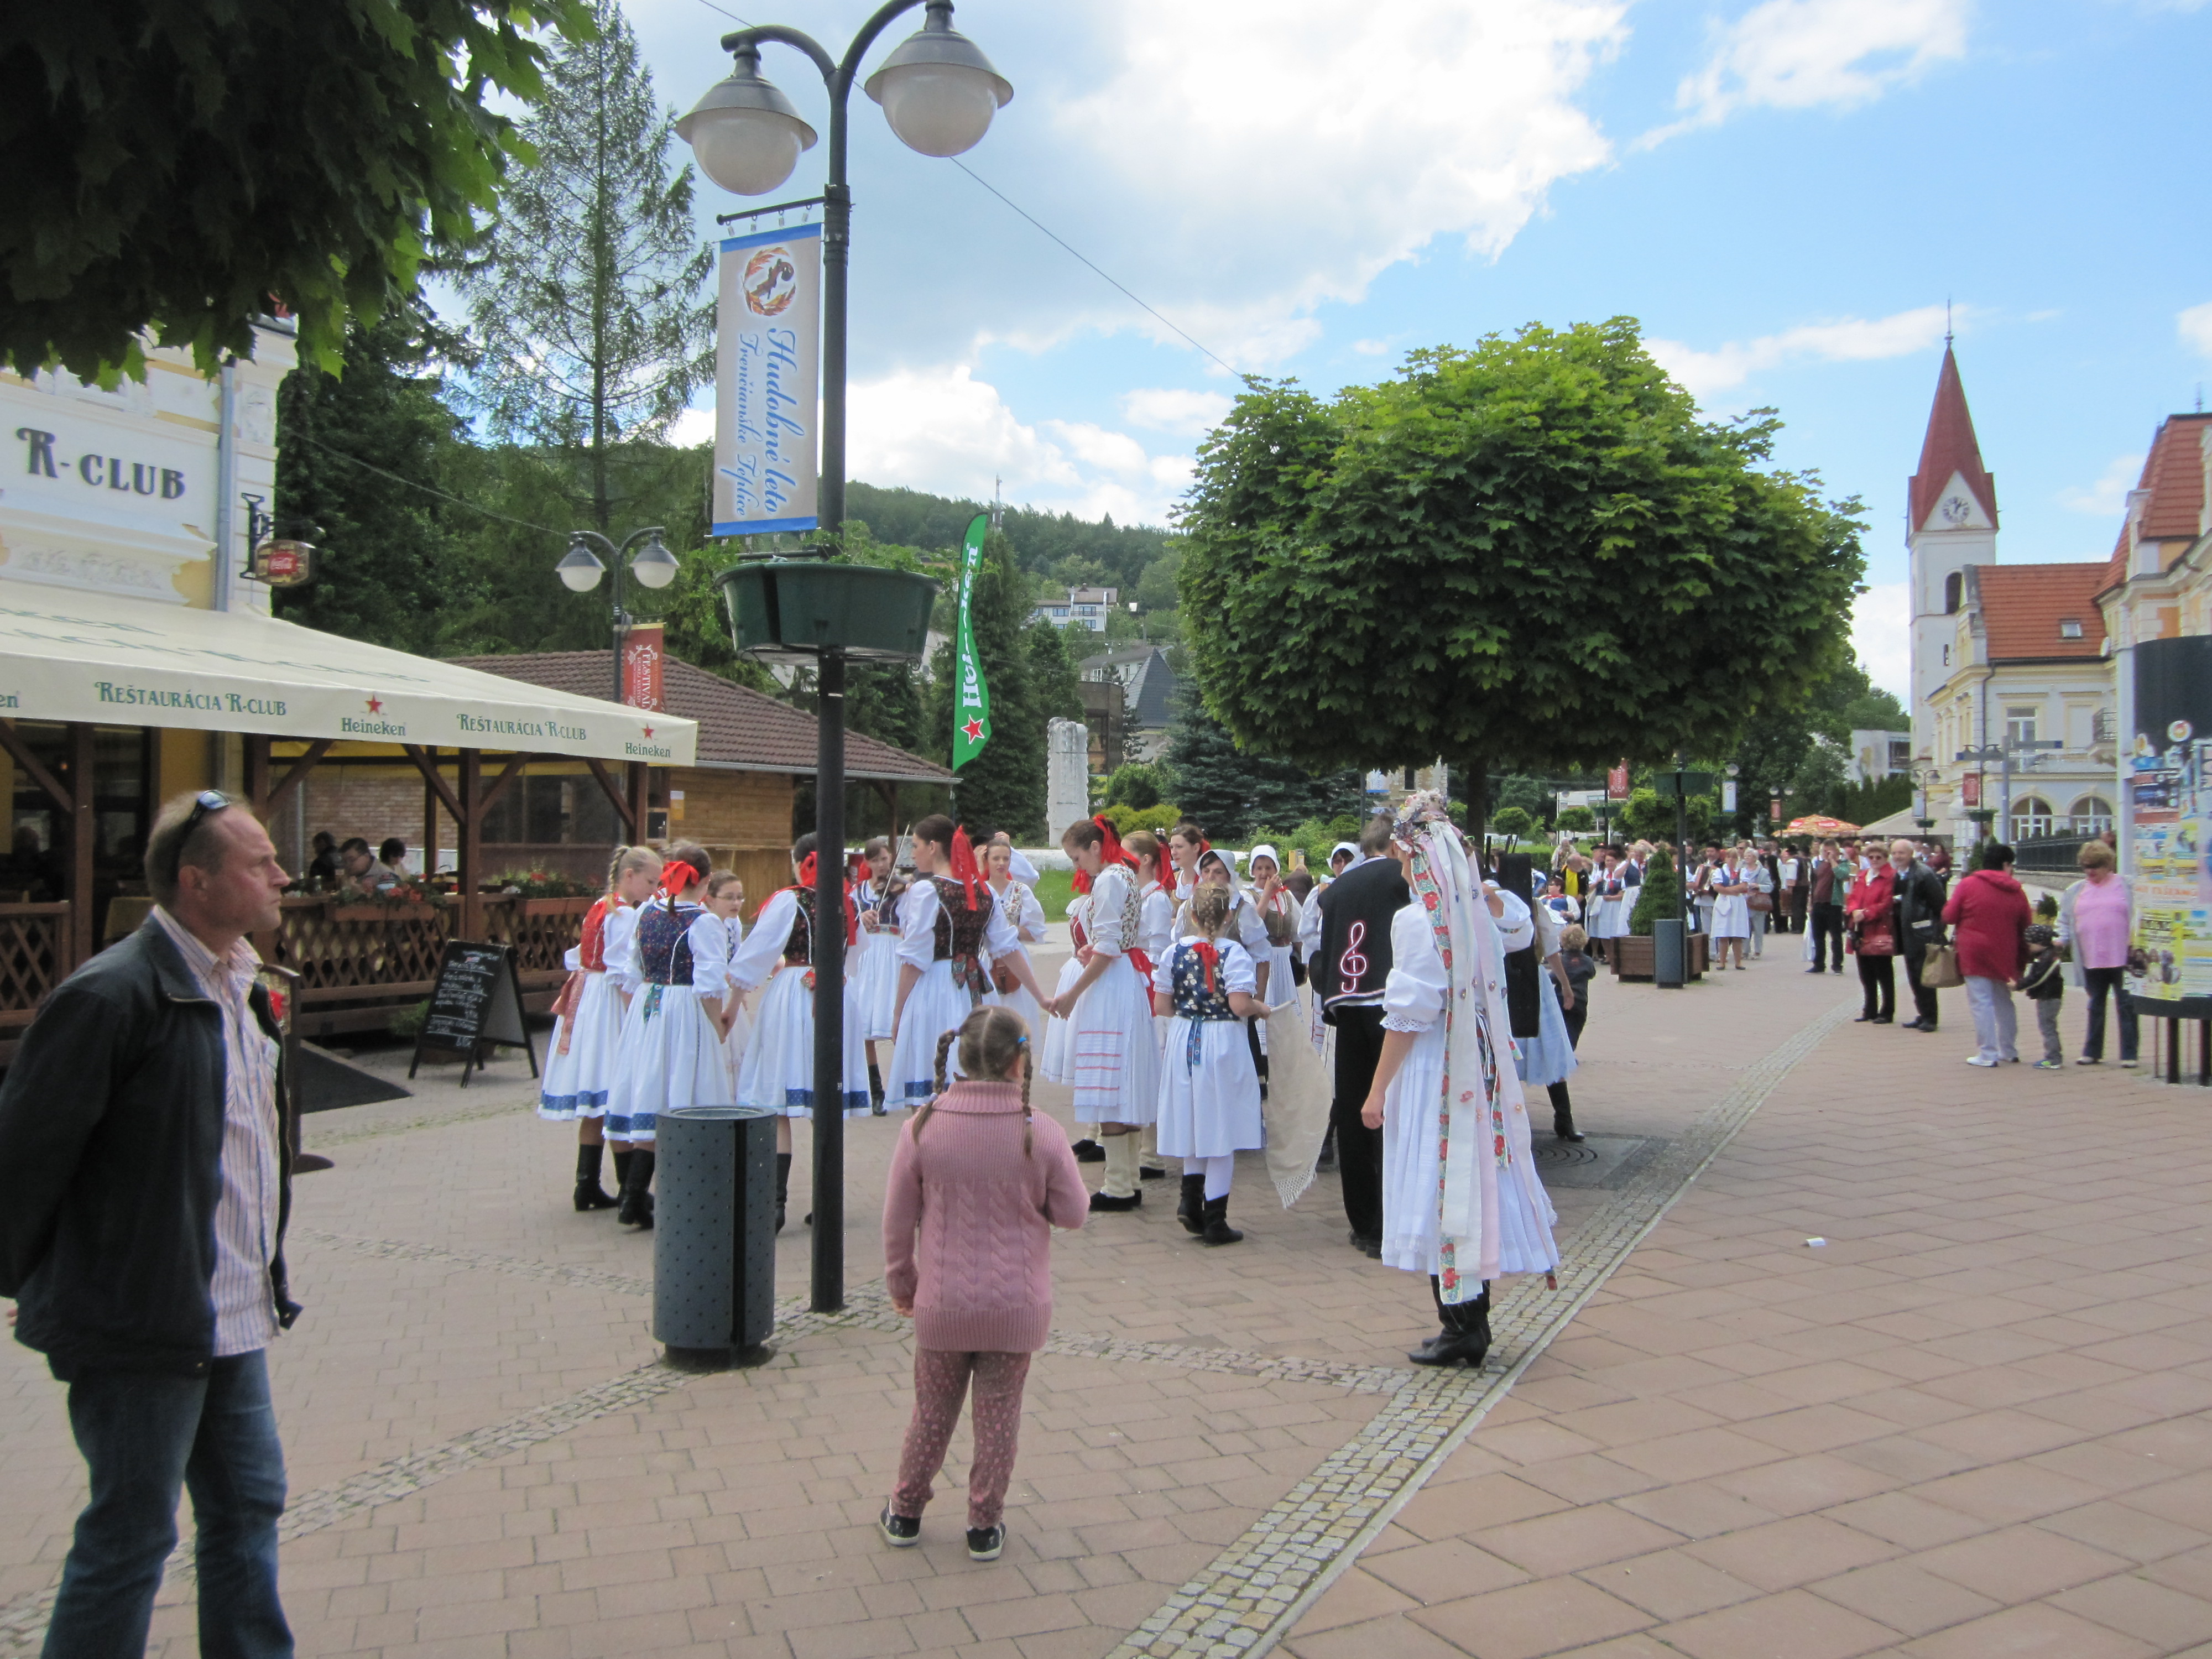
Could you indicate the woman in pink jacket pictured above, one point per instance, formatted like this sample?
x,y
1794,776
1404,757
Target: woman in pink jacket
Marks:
x,y
977,1185
1988,915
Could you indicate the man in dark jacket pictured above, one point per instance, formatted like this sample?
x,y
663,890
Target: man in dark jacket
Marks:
x,y
1348,970
143,1240
1919,905
1828,877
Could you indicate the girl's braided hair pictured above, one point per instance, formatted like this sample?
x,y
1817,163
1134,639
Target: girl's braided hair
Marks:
x,y
989,1039
1209,908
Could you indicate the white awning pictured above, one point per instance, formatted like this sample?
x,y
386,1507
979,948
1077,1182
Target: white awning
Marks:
x,y
112,661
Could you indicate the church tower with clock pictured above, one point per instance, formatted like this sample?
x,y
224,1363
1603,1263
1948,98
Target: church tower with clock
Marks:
x,y
1951,523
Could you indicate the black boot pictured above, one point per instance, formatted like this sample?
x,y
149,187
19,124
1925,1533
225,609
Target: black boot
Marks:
x,y
782,1185
622,1169
1563,1114
1192,1210
1090,1152
589,1195
1218,1230
637,1193
1464,1339
876,1091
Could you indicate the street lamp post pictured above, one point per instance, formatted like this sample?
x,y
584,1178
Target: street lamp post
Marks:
x,y
580,571
939,93
2027,748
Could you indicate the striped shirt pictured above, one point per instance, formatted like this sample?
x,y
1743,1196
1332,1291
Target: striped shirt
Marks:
x,y
245,1213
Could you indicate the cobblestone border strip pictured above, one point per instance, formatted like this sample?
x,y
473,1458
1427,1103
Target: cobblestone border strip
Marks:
x,y
393,1249
409,1125
1254,1593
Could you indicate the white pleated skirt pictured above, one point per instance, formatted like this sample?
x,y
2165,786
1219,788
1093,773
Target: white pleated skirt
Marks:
x,y
777,1071
877,978
1213,1109
575,1084
1114,1049
1055,1059
1412,1177
1548,1057
934,1006
671,1056
1021,1003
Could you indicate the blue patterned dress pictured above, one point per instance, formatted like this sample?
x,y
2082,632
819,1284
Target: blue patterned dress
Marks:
x,y
1209,1091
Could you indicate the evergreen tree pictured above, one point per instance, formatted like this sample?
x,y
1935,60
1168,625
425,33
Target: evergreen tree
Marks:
x,y
588,295
1052,670
388,551
1004,787
1660,898
1230,792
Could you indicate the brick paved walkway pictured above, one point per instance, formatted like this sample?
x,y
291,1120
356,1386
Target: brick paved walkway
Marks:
x,y
1968,1423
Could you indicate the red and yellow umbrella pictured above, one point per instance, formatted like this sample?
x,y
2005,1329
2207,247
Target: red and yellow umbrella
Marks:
x,y
1818,825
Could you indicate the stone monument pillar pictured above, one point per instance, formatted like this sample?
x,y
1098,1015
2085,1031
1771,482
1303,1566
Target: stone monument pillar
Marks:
x,y
1067,776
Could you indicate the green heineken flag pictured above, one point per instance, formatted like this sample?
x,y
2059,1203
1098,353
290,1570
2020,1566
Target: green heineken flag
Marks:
x,y
972,698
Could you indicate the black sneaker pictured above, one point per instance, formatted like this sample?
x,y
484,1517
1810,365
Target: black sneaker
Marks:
x,y
984,1543
901,1532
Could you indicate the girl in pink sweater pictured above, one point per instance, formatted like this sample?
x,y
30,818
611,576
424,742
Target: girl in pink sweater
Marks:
x,y
977,1185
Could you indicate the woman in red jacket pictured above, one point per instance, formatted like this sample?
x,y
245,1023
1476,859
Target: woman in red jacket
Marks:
x,y
1870,918
1989,917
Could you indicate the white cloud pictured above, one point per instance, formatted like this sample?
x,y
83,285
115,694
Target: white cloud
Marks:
x,y
693,426
1169,408
1849,339
1262,158
2109,494
2195,326
1802,54
1370,348
942,430
1881,635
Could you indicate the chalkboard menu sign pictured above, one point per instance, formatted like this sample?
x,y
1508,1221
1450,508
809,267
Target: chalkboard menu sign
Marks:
x,y
477,1000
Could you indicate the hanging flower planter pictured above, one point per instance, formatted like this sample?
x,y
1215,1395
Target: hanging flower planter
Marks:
x,y
796,610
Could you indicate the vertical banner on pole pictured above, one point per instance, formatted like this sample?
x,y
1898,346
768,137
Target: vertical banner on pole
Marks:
x,y
767,381
2170,797
1616,782
643,651
972,698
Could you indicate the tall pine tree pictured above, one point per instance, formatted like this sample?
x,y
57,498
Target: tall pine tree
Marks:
x,y
588,298
1230,792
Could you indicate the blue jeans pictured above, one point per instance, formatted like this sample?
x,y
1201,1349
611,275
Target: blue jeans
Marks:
x,y
144,1435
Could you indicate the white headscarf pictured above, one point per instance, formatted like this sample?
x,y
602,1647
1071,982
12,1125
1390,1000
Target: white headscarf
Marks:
x,y
1481,1117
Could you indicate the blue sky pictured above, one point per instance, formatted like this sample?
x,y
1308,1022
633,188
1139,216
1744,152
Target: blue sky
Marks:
x,y
1786,192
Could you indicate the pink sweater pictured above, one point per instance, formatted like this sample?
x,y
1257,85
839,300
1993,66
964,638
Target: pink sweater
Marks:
x,y
980,1273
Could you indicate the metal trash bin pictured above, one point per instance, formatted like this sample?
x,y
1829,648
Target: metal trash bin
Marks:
x,y
714,1248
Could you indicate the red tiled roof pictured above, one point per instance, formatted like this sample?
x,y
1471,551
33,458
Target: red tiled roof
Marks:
x,y
2023,604
1950,447
739,728
2173,473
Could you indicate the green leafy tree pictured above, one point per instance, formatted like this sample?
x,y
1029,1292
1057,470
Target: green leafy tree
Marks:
x,y
1230,792
1052,670
1649,816
1139,784
356,447
586,297
175,168
1512,821
1517,556
1579,819
1659,898
1156,588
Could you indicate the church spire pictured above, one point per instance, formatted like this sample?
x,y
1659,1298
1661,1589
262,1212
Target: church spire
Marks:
x,y
1950,452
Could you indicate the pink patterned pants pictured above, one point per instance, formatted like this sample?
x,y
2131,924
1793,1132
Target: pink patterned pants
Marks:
x,y
940,1382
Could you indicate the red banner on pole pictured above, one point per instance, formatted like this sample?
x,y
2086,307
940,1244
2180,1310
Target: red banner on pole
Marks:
x,y
1970,789
1616,782
642,650
1774,808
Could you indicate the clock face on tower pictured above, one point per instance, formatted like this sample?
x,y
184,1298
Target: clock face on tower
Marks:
x,y
1955,510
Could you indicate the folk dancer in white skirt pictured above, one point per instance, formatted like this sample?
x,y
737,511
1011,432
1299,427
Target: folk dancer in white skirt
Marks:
x,y
671,1051
1609,900
1244,925
725,897
1022,908
778,1072
1209,1107
1115,1048
875,964
1461,1200
948,922
1280,918
580,1068
1056,1060
1156,914
1537,995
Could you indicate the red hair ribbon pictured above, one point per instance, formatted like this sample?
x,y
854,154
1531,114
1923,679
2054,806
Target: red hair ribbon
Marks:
x,y
1209,956
809,868
1112,852
680,874
963,867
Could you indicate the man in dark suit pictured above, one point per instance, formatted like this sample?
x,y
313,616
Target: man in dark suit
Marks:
x,y
1348,971
1829,879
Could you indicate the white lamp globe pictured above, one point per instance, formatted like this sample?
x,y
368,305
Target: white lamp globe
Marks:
x,y
579,571
744,133
939,92
654,565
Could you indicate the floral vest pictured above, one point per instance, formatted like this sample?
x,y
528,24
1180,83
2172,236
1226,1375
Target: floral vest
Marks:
x,y
1198,993
664,949
960,933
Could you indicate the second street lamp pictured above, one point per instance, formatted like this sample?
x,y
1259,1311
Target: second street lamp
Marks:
x,y
939,93
580,571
